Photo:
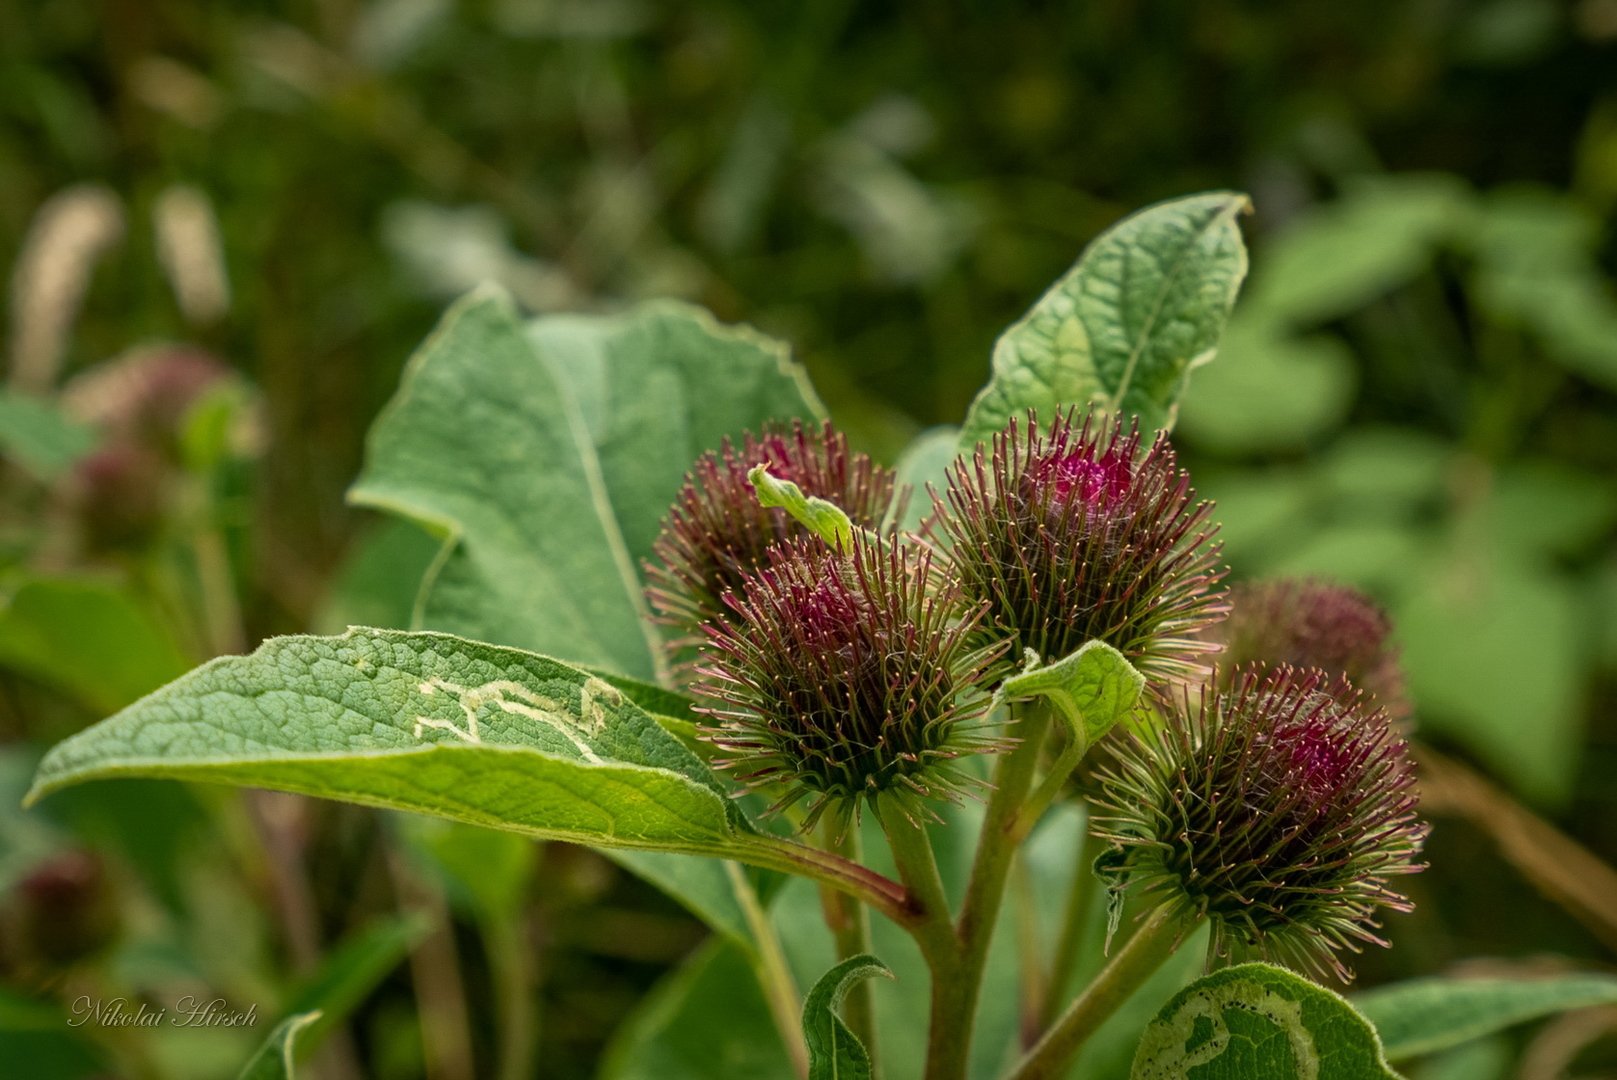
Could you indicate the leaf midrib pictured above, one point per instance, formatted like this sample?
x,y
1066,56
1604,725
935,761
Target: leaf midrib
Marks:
x,y
1231,205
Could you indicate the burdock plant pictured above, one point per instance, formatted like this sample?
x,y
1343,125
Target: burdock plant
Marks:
x,y
898,690
1307,623
1076,533
847,677
1280,809
717,532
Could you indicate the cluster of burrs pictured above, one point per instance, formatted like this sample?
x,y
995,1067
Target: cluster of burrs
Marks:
x,y
1270,794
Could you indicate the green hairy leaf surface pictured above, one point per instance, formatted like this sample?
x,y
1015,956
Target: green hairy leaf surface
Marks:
x,y
835,1053
1426,1015
1124,328
659,385
419,721
547,454
273,1061
1256,1020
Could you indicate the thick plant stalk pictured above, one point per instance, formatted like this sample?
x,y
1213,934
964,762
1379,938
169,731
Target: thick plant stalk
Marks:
x,y
947,1042
1049,788
1153,943
955,1000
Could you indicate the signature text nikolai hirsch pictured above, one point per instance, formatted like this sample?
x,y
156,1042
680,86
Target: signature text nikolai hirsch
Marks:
x,y
189,1011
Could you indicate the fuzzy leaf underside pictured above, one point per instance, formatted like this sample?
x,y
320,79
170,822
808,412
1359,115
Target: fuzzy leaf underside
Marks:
x,y
547,453
1423,1016
1123,329
1090,689
424,722
835,1052
1259,1020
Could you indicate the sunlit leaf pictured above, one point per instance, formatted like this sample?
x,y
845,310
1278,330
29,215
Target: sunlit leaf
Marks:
x,y
419,721
1124,328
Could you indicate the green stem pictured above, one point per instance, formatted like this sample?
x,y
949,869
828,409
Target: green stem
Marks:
x,y
1153,943
1049,788
1080,902
769,963
954,1005
849,922
789,857
918,867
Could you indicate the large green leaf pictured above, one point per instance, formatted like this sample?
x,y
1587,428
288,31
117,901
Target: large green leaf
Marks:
x,y
1127,324
1494,649
1270,390
1259,1020
548,453
835,1052
1425,1015
703,886
380,580
659,385
419,721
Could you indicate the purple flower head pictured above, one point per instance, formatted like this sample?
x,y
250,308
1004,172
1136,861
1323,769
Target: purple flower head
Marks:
x,y
1075,533
717,534
846,676
1072,475
1279,808
1314,624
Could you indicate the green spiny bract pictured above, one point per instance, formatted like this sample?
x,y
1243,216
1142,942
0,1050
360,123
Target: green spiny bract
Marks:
x,y
1314,624
1280,809
717,534
848,677
1074,534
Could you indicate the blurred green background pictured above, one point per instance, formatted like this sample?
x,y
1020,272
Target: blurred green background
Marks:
x,y
1417,394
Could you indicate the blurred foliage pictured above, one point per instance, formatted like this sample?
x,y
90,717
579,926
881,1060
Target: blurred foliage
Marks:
x,y
1418,393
